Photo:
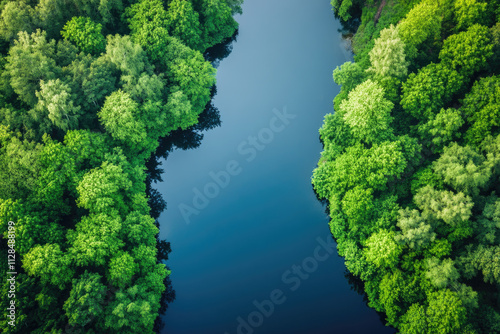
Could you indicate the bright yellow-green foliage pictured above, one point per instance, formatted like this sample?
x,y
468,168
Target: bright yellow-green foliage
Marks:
x,y
470,12
388,58
382,250
367,112
423,22
83,106
411,164
85,34
54,99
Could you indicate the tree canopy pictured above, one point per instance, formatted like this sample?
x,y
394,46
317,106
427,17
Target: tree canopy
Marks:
x,y
87,91
411,162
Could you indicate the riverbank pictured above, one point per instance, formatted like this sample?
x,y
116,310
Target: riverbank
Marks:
x,y
409,218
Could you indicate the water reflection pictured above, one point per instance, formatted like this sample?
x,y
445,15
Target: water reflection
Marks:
x,y
180,139
358,286
217,53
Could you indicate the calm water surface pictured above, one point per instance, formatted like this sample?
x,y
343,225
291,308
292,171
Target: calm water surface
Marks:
x,y
260,234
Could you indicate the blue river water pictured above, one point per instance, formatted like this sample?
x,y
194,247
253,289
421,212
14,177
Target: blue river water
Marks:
x,y
252,251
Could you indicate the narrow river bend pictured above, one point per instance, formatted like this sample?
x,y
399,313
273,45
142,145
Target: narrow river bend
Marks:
x,y
252,251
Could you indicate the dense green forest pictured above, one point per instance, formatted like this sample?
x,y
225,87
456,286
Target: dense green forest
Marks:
x,y
411,161
87,90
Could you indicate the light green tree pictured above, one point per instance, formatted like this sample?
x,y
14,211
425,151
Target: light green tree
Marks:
x,y
133,310
416,232
54,99
452,208
491,149
469,51
423,22
95,239
30,60
482,109
50,264
127,56
414,320
336,136
217,22
357,204
368,113
139,229
443,273
18,165
145,88
397,291
463,168
488,227
194,77
470,12
149,14
369,168
89,148
484,259
16,16
442,129
100,82
387,57
342,8
426,92
180,114
348,75
56,182
445,313
104,187
355,260
382,250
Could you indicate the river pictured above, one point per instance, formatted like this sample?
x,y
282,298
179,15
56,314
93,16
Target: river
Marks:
x,y
252,251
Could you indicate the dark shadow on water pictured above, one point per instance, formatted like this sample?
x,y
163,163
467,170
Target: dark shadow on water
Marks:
x,y
358,286
167,297
350,26
192,137
180,139
217,53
